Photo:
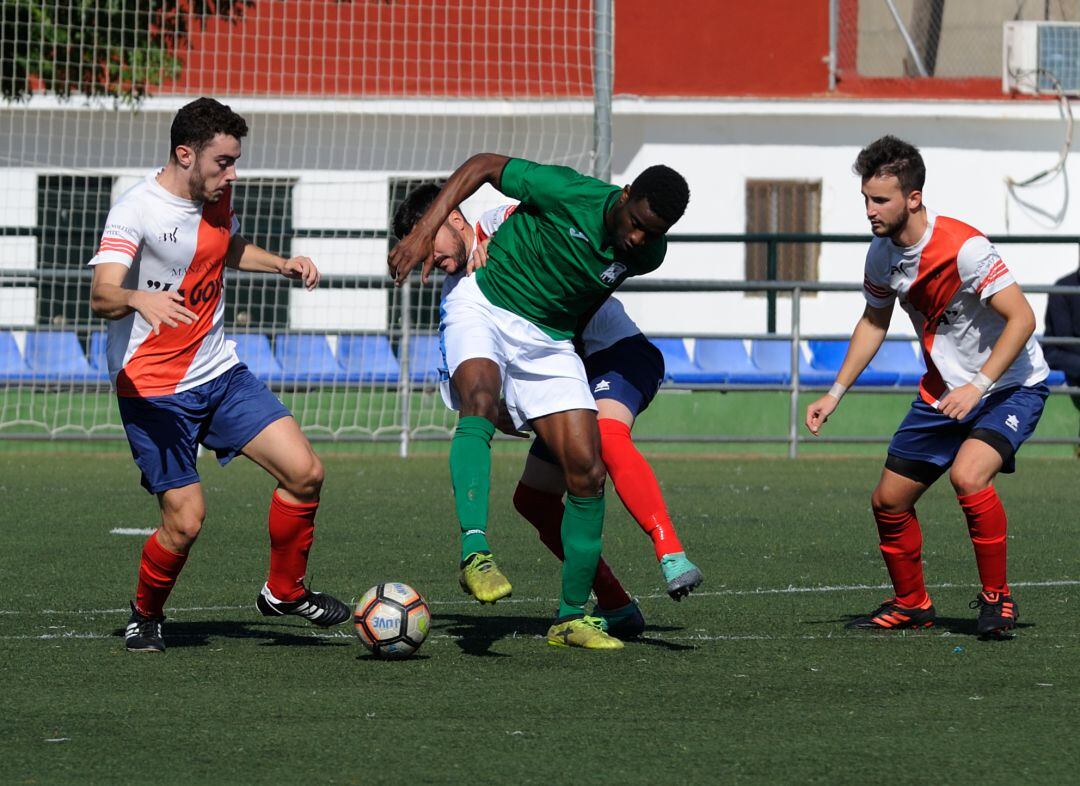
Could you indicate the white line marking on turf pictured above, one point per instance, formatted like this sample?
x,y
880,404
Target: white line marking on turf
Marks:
x,y
131,531
789,590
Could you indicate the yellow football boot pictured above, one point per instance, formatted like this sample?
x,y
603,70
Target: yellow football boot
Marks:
x,y
585,632
481,578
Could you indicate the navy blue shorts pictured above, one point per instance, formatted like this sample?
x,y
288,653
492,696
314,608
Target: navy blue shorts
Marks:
x,y
1011,414
224,414
629,371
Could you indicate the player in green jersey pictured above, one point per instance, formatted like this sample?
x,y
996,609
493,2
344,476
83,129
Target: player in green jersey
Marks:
x,y
507,332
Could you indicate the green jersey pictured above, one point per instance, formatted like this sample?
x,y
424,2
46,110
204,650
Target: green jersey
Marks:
x,y
550,262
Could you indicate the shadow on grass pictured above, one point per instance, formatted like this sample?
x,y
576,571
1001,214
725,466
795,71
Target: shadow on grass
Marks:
x,y
958,626
272,634
477,634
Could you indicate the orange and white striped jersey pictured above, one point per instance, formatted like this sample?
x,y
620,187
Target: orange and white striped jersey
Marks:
x,y
178,245
943,282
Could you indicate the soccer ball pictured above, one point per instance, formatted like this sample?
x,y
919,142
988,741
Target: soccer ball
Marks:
x,y
392,620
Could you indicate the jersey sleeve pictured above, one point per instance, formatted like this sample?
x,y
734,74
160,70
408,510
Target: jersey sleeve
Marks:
x,y
490,221
544,186
876,287
122,236
982,270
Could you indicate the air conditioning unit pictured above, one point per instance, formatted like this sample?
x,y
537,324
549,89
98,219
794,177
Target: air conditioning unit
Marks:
x,y
1037,57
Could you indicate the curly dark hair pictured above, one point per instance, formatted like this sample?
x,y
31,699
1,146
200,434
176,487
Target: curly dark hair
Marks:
x,y
892,156
664,189
414,206
200,121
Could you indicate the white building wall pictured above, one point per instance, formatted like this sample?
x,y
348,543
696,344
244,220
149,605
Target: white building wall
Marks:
x,y
342,155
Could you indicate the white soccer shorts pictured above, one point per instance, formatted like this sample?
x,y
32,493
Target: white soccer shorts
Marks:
x,y
540,375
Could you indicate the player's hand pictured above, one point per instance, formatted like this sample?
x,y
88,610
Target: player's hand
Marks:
x,y
958,402
818,412
162,308
478,258
303,269
416,248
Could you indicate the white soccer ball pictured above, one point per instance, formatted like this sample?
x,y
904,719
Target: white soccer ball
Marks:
x,y
392,620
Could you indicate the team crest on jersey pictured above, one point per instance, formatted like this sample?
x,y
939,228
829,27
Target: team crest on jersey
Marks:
x,y
1012,422
613,273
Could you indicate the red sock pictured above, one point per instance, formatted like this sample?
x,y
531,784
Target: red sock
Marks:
x,y
292,528
986,526
636,486
157,576
901,546
545,512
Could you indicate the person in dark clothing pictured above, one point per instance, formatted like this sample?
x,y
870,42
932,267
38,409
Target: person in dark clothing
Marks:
x,y
1063,320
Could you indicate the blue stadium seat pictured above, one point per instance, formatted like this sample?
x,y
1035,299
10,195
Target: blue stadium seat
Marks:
x,y
1056,378
727,359
679,368
254,351
368,359
97,355
900,358
773,358
425,359
58,357
12,366
828,356
307,358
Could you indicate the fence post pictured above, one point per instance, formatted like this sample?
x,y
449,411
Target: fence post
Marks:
x,y
404,377
834,35
770,274
793,414
603,78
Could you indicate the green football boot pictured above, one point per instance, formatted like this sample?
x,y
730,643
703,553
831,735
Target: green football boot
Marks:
x,y
682,575
622,623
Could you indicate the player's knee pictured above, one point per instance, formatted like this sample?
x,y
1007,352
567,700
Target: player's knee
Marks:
x,y
587,479
883,502
967,479
307,480
480,402
183,526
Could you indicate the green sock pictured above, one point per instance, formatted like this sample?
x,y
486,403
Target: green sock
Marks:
x,y
582,525
470,472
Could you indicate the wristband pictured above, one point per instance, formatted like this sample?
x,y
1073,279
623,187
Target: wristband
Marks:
x,y
981,383
837,390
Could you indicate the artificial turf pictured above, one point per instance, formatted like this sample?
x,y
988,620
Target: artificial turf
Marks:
x,y
752,679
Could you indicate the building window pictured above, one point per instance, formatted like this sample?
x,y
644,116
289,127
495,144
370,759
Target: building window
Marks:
x,y
783,206
256,301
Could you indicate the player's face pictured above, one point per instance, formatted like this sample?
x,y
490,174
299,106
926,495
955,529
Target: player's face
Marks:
x,y
214,168
451,255
634,224
887,208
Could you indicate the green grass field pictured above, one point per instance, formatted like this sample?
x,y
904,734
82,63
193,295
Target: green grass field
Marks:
x,y
753,679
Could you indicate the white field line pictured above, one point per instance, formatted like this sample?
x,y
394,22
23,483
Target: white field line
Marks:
x,y
703,638
132,531
790,590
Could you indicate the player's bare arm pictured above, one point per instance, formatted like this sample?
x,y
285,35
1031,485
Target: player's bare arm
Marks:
x,y
866,340
478,258
109,299
416,248
1011,304
244,255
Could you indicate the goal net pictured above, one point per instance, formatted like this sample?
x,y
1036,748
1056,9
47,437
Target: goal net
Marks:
x,y
349,104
